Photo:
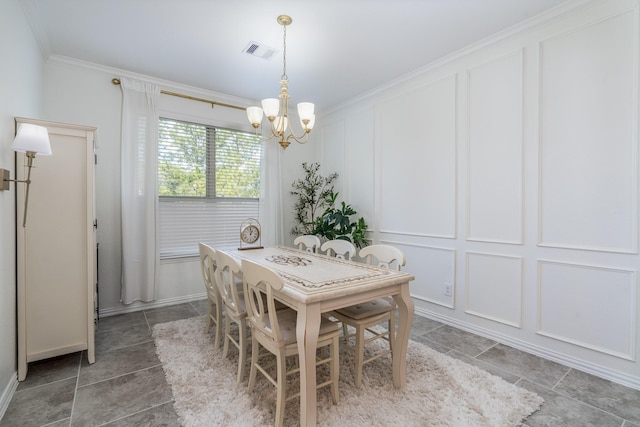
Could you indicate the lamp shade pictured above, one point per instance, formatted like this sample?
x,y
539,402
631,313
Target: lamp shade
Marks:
x,y
32,138
271,107
309,125
281,124
305,110
254,114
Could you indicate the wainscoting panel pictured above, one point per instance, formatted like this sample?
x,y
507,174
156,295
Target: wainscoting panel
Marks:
x,y
589,306
588,137
495,151
494,287
360,178
333,135
418,161
435,267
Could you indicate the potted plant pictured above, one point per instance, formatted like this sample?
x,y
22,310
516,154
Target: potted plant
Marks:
x,y
314,192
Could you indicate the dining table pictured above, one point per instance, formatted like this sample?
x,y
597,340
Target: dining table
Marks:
x,y
315,284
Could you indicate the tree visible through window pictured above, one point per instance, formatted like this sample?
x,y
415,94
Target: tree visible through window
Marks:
x,y
201,161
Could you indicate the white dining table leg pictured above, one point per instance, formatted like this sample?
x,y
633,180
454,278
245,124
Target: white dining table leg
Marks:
x,y
401,338
307,331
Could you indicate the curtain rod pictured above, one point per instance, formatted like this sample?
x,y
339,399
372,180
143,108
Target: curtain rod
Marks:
x,y
116,81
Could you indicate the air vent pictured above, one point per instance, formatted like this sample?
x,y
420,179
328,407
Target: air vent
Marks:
x,y
260,50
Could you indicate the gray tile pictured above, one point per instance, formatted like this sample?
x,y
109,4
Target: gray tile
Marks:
x,y
494,370
110,400
119,362
119,338
560,410
431,344
168,314
50,370
40,405
534,368
424,324
460,340
201,305
603,394
122,321
629,424
158,416
62,423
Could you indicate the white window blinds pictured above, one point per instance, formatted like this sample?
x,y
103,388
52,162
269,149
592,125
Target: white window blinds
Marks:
x,y
209,182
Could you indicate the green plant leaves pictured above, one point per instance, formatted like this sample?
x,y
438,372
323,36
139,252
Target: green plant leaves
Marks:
x,y
314,192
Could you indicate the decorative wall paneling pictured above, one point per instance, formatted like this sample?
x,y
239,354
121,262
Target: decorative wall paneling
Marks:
x,y
418,161
589,137
495,138
494,287
590,306
335,132
351,139
528,146
360,181
436,267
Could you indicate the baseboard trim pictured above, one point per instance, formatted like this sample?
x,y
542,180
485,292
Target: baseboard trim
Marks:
x,y
138,306
581,365
7,394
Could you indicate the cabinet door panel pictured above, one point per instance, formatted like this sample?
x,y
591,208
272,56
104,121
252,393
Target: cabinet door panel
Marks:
x,y
56,268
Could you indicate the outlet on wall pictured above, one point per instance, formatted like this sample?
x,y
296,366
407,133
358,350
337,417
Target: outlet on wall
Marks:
x,y
447,289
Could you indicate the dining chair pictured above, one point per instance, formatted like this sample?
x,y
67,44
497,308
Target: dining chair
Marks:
x,y
228,273
307,242
275,331
214,299
363,317
339,248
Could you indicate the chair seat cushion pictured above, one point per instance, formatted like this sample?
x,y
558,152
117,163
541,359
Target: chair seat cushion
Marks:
x,y
366,309
287,319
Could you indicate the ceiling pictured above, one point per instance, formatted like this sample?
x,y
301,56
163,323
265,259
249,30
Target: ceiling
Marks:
x,y
336,49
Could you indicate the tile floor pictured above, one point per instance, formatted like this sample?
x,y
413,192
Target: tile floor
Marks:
x,y
126,385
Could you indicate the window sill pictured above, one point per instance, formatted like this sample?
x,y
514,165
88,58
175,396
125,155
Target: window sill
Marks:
x,y
174,259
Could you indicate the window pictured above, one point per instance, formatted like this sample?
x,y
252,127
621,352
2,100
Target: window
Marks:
x,y
208,183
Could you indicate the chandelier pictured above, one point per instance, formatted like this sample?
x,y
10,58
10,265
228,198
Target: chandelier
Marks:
x,y
277,110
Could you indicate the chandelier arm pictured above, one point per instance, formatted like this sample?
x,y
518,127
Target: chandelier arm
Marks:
x,y
303,139
298,138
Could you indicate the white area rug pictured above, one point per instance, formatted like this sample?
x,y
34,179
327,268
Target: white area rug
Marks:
x,y
440,391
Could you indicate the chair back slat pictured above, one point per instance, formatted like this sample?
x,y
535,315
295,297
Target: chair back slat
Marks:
x,y
386,256
339,248
259,283
228,274
208,267
308,242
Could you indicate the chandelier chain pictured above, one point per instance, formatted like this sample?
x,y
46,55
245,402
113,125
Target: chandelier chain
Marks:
x,y
284,53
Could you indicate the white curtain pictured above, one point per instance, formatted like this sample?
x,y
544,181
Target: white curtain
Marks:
x,y
138,183
271,218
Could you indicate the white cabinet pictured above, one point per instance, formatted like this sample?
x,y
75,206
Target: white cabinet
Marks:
x,y
56,251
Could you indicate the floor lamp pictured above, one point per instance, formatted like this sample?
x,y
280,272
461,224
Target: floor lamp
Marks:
x,y
31,139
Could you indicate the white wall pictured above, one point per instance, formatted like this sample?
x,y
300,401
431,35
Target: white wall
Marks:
x,y
510,171
82,93
507,171
21,77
